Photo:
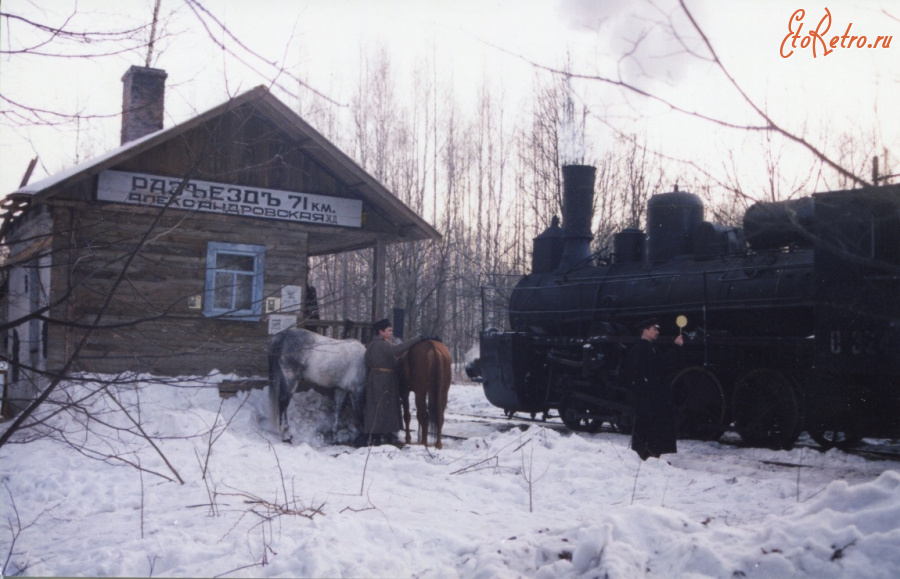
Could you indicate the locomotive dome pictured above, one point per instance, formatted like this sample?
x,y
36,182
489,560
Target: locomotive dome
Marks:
x,y
672,219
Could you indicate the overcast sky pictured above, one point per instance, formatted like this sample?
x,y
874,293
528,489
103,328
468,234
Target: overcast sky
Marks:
x,y
471,41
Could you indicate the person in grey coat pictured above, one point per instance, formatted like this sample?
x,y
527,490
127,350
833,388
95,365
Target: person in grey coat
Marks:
x,y
382,417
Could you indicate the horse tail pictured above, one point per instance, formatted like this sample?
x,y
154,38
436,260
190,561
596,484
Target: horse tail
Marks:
x,y
439,384
404,386
276,381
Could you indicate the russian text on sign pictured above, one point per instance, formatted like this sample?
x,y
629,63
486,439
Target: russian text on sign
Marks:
x,y
156,191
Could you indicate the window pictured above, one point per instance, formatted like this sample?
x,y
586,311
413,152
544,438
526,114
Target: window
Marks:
x,y
234,280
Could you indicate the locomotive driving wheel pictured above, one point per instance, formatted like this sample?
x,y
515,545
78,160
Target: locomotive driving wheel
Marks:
x,y
829,438
624,423
576,416
698,402
840,422
765,409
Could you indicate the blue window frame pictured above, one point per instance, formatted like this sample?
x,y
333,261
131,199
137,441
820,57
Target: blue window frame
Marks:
x,y
234,281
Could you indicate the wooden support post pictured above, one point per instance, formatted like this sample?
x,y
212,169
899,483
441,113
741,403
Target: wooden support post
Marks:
x,y
378,286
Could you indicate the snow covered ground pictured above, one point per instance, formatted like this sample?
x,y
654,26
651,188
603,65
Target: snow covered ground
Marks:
x,y
95,498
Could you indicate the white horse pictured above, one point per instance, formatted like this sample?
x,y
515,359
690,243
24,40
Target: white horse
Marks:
x,y
300,360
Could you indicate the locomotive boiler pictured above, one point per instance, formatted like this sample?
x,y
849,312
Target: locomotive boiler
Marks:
x,y
793,320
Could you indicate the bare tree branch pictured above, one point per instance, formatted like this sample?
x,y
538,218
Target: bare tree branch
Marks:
x,y
770,123
200,11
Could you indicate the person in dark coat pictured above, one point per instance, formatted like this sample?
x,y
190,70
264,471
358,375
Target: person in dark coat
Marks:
x,y
382,417
648,370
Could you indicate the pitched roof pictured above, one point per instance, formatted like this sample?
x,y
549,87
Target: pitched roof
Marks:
x,y
411,226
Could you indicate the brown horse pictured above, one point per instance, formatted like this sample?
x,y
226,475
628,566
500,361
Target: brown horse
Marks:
x,y
425,370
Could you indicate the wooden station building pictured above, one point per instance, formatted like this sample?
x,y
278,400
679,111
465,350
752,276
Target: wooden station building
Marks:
x,y
182,250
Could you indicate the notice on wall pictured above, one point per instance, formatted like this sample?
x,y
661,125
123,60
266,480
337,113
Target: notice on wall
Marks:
x,y
157,191
291,298
279,322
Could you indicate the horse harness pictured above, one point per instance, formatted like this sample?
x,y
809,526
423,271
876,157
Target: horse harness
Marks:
x,y
389,370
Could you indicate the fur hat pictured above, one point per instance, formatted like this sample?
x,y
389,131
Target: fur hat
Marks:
x,y
380,326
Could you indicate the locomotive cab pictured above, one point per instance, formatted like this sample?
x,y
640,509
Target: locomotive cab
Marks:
x,y
857,326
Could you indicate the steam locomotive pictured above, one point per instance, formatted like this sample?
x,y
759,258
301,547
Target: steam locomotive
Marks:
x,y
792,321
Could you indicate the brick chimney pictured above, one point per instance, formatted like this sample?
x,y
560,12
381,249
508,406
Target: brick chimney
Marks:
x,y
143,98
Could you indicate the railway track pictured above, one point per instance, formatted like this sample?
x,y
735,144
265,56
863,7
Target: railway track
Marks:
x,y
872,449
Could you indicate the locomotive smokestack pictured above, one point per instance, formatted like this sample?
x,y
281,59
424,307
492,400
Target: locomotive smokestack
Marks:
x,y
578,205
